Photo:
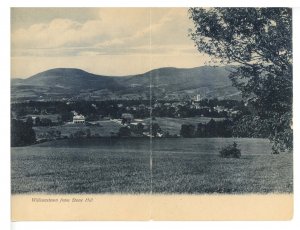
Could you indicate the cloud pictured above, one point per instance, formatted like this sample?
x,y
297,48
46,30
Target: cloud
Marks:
x,y
120,36
112,24
115,30
58,33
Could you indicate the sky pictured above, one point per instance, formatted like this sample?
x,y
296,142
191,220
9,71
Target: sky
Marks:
x,y
106,41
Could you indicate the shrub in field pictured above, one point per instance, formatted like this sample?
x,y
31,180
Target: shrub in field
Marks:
x,y
230,151
124,132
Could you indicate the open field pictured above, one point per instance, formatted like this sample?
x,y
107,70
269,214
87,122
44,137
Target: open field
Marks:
x,y
104,128
180,165
52,117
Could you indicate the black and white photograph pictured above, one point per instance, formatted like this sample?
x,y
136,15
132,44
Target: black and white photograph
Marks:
x,y
151,101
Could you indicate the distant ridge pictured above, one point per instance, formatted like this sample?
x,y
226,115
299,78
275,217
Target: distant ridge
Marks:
x,y
167,83
70,78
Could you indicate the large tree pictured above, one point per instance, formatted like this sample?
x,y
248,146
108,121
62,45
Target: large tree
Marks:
x,y
257,43
21,133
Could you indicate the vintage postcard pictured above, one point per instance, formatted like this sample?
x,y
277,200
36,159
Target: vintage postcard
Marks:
x,y
151,114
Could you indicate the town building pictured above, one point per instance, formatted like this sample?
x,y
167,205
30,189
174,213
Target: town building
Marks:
x,y
128,117
78,119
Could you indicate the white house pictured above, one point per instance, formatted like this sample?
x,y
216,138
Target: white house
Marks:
x,y
78,119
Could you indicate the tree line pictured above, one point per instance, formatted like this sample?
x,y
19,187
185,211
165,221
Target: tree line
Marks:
x,y
226,128
213,128
92,110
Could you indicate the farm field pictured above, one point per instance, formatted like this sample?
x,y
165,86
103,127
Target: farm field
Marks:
x,y
180,165
108,128
104,128
199,169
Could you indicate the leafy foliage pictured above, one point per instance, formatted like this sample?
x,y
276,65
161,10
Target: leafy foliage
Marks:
x,y
124,132
230,151
187,130
211,129
258,44
22,133
140,128
155,129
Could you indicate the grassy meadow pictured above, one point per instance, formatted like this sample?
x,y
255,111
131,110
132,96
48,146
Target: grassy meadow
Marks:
x,y
104,128
180,165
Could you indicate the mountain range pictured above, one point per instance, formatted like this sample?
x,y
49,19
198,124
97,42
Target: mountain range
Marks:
x,y
164,83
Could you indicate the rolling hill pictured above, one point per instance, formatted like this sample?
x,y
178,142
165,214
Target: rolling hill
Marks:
x,y
166,83
71,79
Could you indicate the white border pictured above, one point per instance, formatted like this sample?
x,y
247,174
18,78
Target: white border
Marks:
x,y
296,108
5,116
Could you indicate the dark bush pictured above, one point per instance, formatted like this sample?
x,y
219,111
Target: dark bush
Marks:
x,y
155,129
22,133
230,151
124,132
187,130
